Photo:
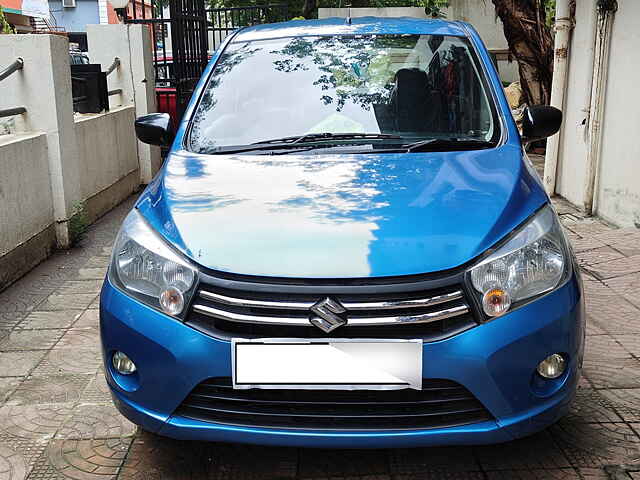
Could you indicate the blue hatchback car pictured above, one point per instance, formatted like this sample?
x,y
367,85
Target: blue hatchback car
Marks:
x,y
347,246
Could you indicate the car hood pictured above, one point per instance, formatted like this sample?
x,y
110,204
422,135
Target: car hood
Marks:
x,y
340,216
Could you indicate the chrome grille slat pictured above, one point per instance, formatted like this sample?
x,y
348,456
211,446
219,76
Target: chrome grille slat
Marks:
x,y
354,306
261,310
368,321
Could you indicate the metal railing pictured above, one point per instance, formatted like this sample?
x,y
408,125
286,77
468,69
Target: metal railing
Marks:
x,y
18,64
114,65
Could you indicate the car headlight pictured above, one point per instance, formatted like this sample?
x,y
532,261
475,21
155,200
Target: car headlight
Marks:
x,y
146,268
533,261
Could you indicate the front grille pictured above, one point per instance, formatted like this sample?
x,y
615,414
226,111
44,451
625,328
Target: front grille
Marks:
x,y
430,314
440,404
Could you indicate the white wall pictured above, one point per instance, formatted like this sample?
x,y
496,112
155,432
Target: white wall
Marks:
x,y
107,150
27,232
135,76
25,192
618,193
617,189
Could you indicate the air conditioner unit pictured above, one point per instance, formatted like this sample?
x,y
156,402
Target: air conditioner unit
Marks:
x,y
69,3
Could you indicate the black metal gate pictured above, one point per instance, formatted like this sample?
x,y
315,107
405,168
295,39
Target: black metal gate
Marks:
x,y
222,21
184,36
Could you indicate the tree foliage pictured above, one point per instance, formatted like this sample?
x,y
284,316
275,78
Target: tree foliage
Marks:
x,y
4,25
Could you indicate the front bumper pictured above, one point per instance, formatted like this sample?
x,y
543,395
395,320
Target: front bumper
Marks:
x,y
496,361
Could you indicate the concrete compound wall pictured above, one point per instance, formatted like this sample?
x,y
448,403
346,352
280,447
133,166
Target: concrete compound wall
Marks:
x,y
132,45
618,181
109,169
617,192
27,233
55,162
481,15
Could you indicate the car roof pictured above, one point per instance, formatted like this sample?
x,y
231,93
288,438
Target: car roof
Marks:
x,y
353,26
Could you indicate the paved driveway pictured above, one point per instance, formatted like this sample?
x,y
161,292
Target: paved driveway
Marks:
x,y
57,421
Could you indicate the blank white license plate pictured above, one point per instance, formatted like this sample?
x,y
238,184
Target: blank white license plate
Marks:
x,y
338,364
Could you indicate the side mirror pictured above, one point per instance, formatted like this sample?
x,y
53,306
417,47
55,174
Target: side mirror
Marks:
x,y
155,129
540,122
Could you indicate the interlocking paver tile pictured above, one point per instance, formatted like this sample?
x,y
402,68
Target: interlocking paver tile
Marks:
x,y
615,373
92,273
340,463
12,464
625,401
36,422
7,386
627,286
593,474
98,261
69,360
152,457
427,476
83,338
535,452
80,286
555,474
19,364
589,227
432,460
88,421
69,301
614,315
593,328
581,244
616,268
30,340
97,459
49,319
90,318
631,343
18,455
596,444
604,347
592,406
628,245
97,391
598,255
266,462
8,320
50,389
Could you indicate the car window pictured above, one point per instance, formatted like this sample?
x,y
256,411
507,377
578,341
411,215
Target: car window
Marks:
x,y
415,86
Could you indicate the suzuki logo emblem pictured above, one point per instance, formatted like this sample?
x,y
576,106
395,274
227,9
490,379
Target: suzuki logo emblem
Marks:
x,y
328,314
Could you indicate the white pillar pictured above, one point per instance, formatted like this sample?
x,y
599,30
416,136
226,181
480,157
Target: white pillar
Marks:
x,y
43,87
132,45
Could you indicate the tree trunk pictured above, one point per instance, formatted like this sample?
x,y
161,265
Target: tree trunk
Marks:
x,y
308,7
530,41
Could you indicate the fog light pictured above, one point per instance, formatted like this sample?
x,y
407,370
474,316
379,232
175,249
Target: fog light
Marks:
x,y
495,302
552,367
172,301
123,364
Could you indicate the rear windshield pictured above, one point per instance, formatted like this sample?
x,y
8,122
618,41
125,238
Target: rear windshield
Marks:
x,y
413,86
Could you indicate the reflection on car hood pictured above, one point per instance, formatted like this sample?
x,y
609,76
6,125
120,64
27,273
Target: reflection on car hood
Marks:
x,y
340,216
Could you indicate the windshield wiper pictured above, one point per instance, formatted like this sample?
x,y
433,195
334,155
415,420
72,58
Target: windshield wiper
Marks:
x,y
302,142
314,137
448,143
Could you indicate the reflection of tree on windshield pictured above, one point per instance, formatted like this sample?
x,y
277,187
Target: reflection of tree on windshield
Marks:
x,y
352,68
228,61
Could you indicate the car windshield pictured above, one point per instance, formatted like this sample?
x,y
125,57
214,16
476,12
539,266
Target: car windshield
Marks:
x,y
407,87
